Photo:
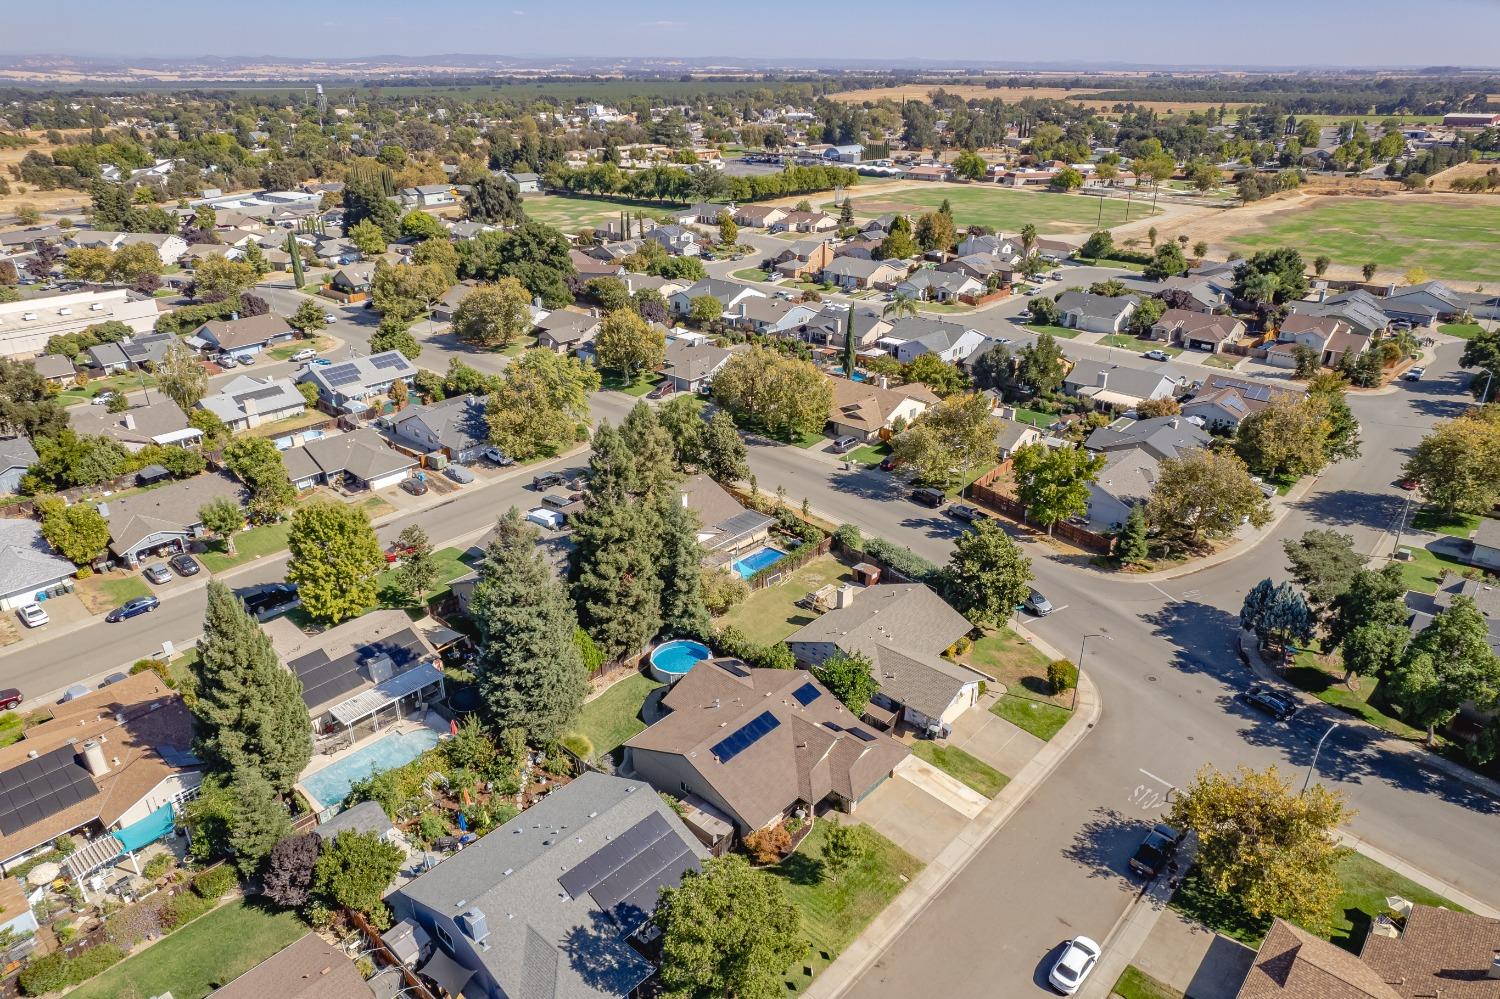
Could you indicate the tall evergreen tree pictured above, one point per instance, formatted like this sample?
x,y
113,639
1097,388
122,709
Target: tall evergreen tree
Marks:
x,y
249,710
682,609
850,355
296,255
258,821
530,673
652,452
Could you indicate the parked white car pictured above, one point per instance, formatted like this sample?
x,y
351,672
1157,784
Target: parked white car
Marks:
x,y
1073,965
32,615
305,354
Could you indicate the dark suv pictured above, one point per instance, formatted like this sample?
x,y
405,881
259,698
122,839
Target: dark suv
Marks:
x,y
928,497
1156,851
546,480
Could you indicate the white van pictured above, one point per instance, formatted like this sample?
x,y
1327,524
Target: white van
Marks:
x,y
549,520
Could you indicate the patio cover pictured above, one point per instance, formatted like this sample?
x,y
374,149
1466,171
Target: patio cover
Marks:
x,y
91,856
148,830
450,976
367,702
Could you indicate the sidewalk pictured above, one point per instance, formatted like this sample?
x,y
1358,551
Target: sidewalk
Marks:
x,y
935,877
1135,924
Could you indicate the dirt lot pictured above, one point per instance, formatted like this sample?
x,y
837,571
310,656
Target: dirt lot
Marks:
x,y
62,198
1444,181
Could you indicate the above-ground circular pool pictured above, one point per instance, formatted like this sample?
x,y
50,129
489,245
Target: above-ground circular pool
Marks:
x,y
670,661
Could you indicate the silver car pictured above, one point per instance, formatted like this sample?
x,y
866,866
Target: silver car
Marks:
x,y
1038,604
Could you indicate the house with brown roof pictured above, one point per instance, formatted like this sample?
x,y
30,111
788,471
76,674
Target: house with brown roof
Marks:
x,y
759,216
1327,335
903,628
564,331
310,968
802,258
864,409
165,519
852,273
725,527
757,745
1222,402
1432,952
151,418
1197,330
104,763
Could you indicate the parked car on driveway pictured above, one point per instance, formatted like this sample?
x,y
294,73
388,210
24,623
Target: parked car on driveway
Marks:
x,y
928,497
329,317
1155,851
272,599
1037,603
661,391
9,698
112,679
32,615
225,361
76,691
158,573
1073,965
415,486
132,608
1276,703
499,457
305,354
459,473
843,445
184,564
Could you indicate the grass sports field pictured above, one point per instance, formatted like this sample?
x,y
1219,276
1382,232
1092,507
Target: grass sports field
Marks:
x,y
1460,242
570,212
1005,210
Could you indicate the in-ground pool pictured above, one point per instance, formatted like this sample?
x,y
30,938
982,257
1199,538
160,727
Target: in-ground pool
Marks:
x,y
671,660
757,560
331,784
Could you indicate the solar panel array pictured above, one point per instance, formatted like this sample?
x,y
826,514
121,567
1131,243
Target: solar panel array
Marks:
x,y
745,736
806,694
391,360
625,876
41,788
342,374
860,734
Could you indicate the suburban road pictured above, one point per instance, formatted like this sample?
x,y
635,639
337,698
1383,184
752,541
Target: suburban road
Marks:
x,y
1165,663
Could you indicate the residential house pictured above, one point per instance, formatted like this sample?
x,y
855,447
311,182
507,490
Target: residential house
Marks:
x,y
863,249
758,745
335,251
1197,330
1484,545
1190,293
199,252
1054,251
565,331
912,336
146,351
1095,313
998,245
1160,436
805,222
16,457
903,628
546,905
928,284
106,359
242,337
864,409
27,325
55,368
352,281
429,196
703,213
169,247
1328,336
348,386
444,308
877,228
804,258
360,675
526,182
151,419
163,521
615,250
850,153
772,315
248,401
665,287
454,427
360,459
365,818
1359,310
726,527
1121,385
1127,480
691,367
982,267
759,216
1011,436
591,267
1222,402
728,293
112,767
932,172
831,323
1423,305
851,273
28,563
676,240
1433,951
310,968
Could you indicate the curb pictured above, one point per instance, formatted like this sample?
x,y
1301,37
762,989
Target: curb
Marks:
x,y
877,938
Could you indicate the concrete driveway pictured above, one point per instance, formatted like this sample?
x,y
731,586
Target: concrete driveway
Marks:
x,y
992,739
912,817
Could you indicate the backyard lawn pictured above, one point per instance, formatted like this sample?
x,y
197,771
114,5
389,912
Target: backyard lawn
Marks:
x,y
835,911
769,615
615,715
1458,242
1365,886
962,766
1006,210
1041,719
201,956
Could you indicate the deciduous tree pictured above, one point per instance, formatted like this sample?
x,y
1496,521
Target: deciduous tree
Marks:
x,y
181,375
843,846
354,871
1053,483
1204,496
1458,463
950,439
79,532
987,576
628,344
779,395
1448,664
538,404
494,315
848,676
222,517
334,558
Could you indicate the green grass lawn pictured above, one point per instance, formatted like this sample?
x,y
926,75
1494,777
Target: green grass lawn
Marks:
x,y
1452,241
615,715
1425,570
1035,417
1365,886
639,386
1458,525
1324,680
1136,984
571,212
962,766
286,350
1220,361
1467,331
1041,719
1004,209
201,956
1005,656
752,274
1060,332
807,439
104,593
249,545
449,567
771,614
870,454
132,381
1124,340
834,912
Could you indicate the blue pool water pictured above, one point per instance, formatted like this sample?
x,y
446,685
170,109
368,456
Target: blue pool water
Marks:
x,y
758,560
676,657
331,784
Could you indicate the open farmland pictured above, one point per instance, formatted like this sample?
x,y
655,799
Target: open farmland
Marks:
x,y
1005,209
61,198
1456,238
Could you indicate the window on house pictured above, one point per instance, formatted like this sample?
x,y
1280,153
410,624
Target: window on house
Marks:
x,y
442,935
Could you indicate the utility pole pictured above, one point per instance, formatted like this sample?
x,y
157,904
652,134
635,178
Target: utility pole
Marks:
x,y
1314,764
1082,648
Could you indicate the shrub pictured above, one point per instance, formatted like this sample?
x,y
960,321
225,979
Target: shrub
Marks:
x,y
214,883
558,764
722,590
778,656
1062,675
65,845
849,538
158,865
57,971
430,827
902,560
768,845
181,909
579,745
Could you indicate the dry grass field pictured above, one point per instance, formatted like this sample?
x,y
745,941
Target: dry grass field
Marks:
x,y
62,198
923,91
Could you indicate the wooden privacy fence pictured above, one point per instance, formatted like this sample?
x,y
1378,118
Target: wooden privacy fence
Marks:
x,y
793,561
983,491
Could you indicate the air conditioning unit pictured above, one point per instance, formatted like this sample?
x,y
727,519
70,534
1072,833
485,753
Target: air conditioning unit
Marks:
x,y
97,307
28,316
65,311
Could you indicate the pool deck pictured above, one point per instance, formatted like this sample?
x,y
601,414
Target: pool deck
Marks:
x,y
320,762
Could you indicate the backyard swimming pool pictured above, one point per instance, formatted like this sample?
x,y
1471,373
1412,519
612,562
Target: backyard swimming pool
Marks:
x,y
671,660
757,560
331,784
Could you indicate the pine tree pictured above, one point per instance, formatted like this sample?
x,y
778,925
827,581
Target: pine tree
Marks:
x,y
850,355
258,821
652,453
530,673
249,710
1131,548
296,254
682,609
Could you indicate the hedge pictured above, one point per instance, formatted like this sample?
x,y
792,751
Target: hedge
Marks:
x,y
903,560
56,971
732,642
214,883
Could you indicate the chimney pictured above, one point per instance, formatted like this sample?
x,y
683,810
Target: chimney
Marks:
x,y
129,421
234,317
1103,379
1007,412
1494,971
250,405
103,509
93,758
843,596
684,500
884,382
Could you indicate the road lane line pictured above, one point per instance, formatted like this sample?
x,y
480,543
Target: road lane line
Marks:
x,y
1153,776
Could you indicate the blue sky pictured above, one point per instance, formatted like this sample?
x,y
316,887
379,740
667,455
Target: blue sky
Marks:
x,y
1166,32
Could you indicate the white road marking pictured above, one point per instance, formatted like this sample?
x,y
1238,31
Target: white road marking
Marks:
x,y
1153,776
1163,592
1059,610
1148,798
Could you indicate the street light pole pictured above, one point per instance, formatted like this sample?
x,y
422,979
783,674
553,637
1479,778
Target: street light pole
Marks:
x,y
1082,648
1314,764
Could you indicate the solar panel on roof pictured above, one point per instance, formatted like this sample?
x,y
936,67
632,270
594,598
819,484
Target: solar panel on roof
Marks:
x,y
806,694
41,788
388,361
860,734
745,736
612,856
